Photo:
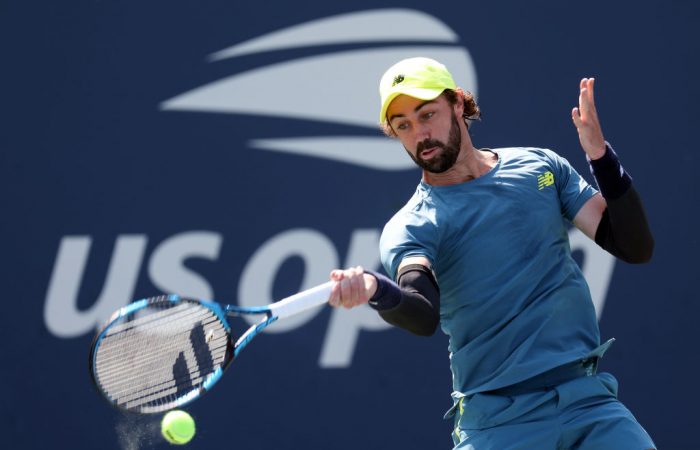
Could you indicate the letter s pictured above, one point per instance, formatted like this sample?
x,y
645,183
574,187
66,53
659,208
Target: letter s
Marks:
x,y
167,269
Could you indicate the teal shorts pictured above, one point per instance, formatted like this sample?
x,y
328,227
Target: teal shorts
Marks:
x,y
582,414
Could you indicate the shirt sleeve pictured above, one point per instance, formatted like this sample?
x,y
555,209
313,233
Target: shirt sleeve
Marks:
x,y
409,233
574,191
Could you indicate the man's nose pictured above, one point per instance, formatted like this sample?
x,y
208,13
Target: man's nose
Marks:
x,y
422,132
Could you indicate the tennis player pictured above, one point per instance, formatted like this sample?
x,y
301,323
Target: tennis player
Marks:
x,y
482,250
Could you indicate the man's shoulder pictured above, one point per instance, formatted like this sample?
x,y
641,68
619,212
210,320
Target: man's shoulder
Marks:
x,y
523,152
414,207
518,157
420,212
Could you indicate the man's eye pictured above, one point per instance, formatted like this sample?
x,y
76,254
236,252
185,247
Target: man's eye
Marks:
x,y
428,115
402,126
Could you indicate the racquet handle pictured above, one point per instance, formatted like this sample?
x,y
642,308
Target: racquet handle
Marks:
x,y
302,301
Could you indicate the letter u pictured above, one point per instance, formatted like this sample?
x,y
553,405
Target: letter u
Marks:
x,y
61,314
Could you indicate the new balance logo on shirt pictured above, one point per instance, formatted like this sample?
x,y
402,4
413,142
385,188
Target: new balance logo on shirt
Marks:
x,y
544,180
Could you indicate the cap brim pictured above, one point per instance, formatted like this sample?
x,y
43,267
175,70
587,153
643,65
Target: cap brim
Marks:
x,y
419,93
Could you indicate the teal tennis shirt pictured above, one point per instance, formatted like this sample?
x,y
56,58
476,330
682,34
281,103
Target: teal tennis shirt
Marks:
x,y
513,301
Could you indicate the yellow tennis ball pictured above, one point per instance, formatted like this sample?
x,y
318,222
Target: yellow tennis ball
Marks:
x,y
177,427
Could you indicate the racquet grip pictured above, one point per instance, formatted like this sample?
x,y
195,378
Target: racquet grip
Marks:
x,y
302,301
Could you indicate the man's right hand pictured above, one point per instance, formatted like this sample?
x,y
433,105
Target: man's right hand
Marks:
x,y
353,287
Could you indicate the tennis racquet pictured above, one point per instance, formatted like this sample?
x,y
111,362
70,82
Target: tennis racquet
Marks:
x,y
163,352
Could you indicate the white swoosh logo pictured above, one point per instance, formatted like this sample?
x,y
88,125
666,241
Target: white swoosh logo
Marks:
x,y
380,25
339,88
368,152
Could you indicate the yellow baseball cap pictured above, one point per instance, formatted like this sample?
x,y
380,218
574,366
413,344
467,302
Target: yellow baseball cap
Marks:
x,y
421,78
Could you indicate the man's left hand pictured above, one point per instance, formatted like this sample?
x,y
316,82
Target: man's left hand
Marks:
x,y
585,118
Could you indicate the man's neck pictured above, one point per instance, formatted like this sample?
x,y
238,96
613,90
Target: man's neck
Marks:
x,y
471,164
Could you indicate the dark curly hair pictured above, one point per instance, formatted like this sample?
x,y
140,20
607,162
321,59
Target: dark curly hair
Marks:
x,y
471,109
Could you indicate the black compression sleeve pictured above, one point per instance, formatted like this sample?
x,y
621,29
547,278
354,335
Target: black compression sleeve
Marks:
x,y
623,230
413,304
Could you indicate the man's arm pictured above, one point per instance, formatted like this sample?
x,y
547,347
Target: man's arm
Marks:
x,y
619,226
616,219
412,304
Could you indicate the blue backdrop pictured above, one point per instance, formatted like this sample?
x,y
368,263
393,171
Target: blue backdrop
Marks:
x,y
229,150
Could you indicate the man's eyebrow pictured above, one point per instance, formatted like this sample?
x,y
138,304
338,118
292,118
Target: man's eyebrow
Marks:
x,y
420,105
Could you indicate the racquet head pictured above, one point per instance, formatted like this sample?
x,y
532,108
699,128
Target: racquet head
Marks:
x,y
160,353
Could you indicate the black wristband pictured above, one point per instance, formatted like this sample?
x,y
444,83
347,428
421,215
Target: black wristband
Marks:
x,y
612,179
387,295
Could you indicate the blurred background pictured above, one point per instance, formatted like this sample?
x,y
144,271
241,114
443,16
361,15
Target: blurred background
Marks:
x,y
229,150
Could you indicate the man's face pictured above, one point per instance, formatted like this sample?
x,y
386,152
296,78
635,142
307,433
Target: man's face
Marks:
x,y
428,130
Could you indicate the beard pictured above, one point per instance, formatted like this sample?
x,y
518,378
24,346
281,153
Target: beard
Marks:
x,y
447,158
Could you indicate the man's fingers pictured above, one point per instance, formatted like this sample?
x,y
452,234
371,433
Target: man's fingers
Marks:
x,y
586,98
591,83
583,104
350,301
334,299
337,275
349,290
576,116
345,291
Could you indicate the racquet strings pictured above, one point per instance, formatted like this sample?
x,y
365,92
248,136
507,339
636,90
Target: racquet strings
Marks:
x,y
154,356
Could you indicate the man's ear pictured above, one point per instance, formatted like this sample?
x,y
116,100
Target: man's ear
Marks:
x,y
459,105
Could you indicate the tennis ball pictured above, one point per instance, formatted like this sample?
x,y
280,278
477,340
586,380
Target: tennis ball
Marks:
x,y
177,427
